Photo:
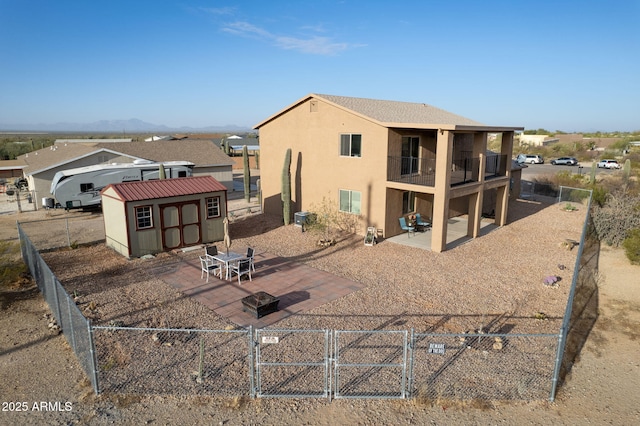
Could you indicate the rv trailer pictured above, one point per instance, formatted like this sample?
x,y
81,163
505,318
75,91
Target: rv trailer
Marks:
x,y
80,187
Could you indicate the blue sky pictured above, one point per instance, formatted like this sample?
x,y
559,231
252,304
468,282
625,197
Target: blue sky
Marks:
x,y
559,65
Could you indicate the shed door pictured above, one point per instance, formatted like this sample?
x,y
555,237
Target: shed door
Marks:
x,y
180,224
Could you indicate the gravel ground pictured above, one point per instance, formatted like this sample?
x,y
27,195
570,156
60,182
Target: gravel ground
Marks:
x,y
486,283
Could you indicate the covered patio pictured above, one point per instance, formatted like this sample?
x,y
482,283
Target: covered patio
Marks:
x,y
456,234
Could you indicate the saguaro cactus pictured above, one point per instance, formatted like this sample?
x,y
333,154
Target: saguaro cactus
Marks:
x,y
286,188
626,170
594,167
247,174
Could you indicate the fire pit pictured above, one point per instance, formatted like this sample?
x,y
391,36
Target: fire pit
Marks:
x,y
260,304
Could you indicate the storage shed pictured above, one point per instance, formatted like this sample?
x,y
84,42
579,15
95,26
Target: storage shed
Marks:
x,y
148,217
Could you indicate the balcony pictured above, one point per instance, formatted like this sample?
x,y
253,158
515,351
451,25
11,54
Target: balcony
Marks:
x,y
413,170
422,171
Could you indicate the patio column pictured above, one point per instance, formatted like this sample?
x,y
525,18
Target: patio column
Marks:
x,y
502,199
475,214
444,159
476,200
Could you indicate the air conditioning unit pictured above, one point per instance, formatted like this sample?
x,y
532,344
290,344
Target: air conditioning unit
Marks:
x,y
300,218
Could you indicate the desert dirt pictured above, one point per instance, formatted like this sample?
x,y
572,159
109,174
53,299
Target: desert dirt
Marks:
x,y
40,376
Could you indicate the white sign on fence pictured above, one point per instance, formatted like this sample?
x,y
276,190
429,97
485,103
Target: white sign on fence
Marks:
x,y
269,339
436,348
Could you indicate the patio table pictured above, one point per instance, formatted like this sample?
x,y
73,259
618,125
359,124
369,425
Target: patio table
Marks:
x,y
227,258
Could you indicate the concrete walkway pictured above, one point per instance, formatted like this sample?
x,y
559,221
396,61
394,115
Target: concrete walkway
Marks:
x,y
299,288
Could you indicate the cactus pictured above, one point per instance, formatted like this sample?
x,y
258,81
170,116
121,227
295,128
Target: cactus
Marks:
x,y
626,170
286,188
592,178
247,174
259,192
257,155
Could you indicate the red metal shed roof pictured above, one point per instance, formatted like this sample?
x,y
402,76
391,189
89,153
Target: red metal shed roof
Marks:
x,y
163,188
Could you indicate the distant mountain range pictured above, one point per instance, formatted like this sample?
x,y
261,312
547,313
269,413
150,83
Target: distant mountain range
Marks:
x,y
118,126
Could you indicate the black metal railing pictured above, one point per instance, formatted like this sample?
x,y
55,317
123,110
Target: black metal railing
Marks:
x,y
414,170
495,166
465,170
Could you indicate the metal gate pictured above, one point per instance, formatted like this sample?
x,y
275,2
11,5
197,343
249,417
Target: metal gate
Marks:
x,y
370,364
293,363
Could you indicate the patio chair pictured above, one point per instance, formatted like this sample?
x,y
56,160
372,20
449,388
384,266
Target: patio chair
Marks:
x,y
250,253
211,250
240,268
209,266
425,225
405,227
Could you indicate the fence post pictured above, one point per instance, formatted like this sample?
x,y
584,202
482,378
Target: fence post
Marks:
x,y
73,335
68,236
93,360
252,371
412,346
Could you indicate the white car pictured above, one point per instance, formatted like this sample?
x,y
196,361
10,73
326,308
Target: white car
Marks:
x,y
609,164
530,159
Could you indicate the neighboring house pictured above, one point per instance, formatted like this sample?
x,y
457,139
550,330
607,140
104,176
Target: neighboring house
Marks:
x,y
152,216
11,169
42,165
385,159
209,160
536,140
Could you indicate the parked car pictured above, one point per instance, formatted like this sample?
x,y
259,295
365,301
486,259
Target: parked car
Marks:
x,y
530,159
565,161
609,164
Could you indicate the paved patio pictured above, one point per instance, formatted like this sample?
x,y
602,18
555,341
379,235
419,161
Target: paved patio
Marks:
x,y
299,288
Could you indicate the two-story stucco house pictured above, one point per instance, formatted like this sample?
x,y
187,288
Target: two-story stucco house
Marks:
x,y
385,159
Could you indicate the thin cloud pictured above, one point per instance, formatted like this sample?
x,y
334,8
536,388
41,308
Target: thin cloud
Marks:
x,y
219,10
314,45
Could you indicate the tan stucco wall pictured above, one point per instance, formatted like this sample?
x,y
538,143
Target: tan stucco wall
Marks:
x,y
317,169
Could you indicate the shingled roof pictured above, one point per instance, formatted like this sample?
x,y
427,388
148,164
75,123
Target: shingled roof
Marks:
x,y
164,188
201,152
399,112
393,113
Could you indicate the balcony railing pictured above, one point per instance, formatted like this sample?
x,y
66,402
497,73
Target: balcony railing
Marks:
x,y
496,166
465,170
414,170
422,171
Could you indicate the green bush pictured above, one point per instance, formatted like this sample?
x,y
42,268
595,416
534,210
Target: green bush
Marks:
x,y
631,246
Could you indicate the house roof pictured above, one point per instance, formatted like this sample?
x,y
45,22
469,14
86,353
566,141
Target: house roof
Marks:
x,y
395,114
58,155
201,152
12,164
164,188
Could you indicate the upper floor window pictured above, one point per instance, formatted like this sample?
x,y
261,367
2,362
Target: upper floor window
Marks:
x,y
350,201
351,145
144,218
213,207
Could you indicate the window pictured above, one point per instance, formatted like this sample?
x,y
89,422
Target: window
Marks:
x,y
351,145
144,217
408,202
213,207
349,201
86,187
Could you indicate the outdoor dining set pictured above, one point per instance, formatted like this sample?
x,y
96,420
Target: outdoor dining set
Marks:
x,y
413,223
230,263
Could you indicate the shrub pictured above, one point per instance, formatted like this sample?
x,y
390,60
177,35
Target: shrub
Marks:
x,y
616,218
631,246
